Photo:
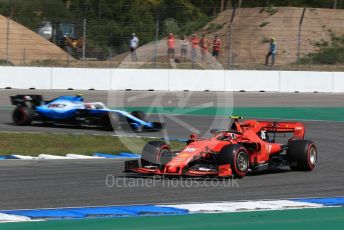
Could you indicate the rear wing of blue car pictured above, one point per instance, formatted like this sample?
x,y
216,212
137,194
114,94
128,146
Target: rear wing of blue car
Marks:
x,y
23,100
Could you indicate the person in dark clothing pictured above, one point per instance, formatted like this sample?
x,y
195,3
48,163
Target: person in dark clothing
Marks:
x,y
272,52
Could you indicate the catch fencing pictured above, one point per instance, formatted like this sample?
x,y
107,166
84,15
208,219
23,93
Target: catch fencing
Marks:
x,y
306,39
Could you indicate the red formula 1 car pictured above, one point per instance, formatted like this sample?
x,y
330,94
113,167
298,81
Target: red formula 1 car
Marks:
x,y
247,145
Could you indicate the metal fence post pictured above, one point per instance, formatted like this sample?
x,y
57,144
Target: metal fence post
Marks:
x,y
156,42
7,41
84,43
299,39
67,59
24,56
230,52
110,57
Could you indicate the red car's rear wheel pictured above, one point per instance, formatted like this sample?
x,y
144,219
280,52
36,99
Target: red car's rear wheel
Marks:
x,y
302,155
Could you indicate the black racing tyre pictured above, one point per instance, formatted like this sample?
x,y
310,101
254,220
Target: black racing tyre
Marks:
x,y
302,155
22,116
236,155
140,115
156,153
110,121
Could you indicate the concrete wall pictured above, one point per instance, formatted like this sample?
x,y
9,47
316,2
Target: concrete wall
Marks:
x,y
170,79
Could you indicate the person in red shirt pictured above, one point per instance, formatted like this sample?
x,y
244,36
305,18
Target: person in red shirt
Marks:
x,y
170,46
216,47
204,44
194,46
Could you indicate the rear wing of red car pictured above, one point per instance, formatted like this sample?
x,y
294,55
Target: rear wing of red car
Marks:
x,y
297,128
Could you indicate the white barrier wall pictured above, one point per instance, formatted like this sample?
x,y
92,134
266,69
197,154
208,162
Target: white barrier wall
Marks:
x,y
143,79
170,79
25,77
291,81
196,80
80,78
248,80
338,82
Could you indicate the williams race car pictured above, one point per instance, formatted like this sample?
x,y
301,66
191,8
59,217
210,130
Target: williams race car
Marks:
x,y
72,110
246,145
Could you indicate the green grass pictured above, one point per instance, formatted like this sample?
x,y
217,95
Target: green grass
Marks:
x,y
263,24
329,52
265,40
270,9
34,144
312,218
213,27
4,62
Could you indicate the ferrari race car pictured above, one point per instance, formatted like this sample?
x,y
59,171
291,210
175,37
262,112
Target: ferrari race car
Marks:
x,y
246,145
72,110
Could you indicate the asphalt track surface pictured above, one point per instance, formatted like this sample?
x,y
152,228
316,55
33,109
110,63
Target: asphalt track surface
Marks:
x,y
219,99
64,183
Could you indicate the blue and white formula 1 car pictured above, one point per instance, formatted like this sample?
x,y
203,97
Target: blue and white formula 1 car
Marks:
x,y
72,110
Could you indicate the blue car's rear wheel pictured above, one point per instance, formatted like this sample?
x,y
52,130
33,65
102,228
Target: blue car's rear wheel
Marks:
x,y
22,115
110,121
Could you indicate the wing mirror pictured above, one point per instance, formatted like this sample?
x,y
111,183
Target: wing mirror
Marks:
x,y
193,136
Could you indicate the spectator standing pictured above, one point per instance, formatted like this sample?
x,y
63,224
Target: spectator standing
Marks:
x,y
204,44
194,46
272,52
216,47
170,46
134,43
184,43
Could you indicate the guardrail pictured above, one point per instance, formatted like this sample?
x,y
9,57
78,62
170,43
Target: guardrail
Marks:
x,y
169,79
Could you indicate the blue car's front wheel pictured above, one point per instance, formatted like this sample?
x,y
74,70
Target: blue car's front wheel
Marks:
x,y
135,125
140,115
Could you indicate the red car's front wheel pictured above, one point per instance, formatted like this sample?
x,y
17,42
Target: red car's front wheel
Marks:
x,y
237,156
156,153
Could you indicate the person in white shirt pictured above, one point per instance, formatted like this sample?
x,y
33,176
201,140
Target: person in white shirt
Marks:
x,y
184,43
134,43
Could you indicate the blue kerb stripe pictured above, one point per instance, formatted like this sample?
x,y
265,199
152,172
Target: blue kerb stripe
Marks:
x,y
49,214
106,155
176,139
110,211
8,157
120,155
133,155
328,201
